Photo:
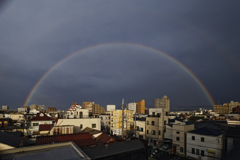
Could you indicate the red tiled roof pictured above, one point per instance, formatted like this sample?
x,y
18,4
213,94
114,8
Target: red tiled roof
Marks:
x,y
45,127
41,118
80,139
103,139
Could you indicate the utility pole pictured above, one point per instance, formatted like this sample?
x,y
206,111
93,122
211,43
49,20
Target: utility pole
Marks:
x,y
122,116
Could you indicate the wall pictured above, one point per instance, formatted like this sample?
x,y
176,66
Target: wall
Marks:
x,y
86,122
17,117
210,144
141,124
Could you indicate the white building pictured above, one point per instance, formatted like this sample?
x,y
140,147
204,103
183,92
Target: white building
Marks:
x,y
111,108
39,119
133,107
204,144
5,107
81,123
155,111
76,111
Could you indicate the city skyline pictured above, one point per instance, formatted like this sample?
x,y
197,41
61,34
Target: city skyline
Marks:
x,y
102,52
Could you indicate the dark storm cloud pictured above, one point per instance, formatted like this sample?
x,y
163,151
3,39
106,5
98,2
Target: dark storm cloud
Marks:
x,y
204,36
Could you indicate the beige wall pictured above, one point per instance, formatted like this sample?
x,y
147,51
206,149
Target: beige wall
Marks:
x,y
17,117
140,124
180,132
5,147
68,129
85,122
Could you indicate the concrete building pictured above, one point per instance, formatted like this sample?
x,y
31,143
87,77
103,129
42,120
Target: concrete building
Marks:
x,y
141,107
133,107
204,144
111,108
51,110
76,111
155,111
88,105
64,129
179,137
5,107
156,127
140,128
39,119
17,116
162,103
97,109
116,121
105,122
81,123
226,108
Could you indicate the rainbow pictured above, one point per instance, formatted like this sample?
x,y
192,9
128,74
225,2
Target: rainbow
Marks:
x,y
200,84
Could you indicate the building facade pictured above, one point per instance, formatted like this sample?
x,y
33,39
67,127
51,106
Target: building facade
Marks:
x,y
133,107
117,119
140,107
111,108
226,108
88,105
162,103
156,127
97,109
140,129
204,144
105,122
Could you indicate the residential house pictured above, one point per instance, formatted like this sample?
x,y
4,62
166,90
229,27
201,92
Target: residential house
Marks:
x,y
204,143
36,121
81,123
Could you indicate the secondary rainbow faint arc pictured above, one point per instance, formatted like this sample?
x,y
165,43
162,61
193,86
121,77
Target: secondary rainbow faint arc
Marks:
x,y
33,90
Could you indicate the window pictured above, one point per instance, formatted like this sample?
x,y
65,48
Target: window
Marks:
x,y
202,139
165,122
178,138
153,113
151,140
93,125
35,124
193,151
202,153
181,149
193,138
158,114
147,131
178,132
166,113
153,123
141,129
197,151
159,132
153,132
81,126
147,122
20,116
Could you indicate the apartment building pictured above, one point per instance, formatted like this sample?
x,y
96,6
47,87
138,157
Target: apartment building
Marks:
x,y
117,119
97,109
132,106
162,103
140,107
156,127
179,137
226,108
88,105
140,128
105,122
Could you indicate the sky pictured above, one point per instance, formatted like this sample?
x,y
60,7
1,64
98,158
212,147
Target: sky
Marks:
x,y
57,52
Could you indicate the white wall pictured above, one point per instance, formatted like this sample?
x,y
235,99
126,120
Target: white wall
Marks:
x,y
111,107
133,107
86,122
155,110
36,128
211,143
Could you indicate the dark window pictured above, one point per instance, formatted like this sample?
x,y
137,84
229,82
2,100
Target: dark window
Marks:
x,y
166,113
202,153
35,124
153,123
181,149
153,132
178,138
202,139
197,151
159,132
153,113
80,126
137,128
178,133
151,140
165,122
193,138
141,129
193,151
158,114
93,125
147,122
147,131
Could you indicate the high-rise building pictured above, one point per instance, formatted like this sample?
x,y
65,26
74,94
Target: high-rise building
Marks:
x,y
141,107
226,108
88,105
97,109
162,103
116,121
133,107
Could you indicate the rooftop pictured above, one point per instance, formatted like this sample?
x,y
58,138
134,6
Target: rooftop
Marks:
x,y
207,131
41,118
9,139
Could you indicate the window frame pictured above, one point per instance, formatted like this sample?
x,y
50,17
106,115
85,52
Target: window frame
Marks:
x,y
153,132
202,139
93,125
177,138
202,153
193,150
193,138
